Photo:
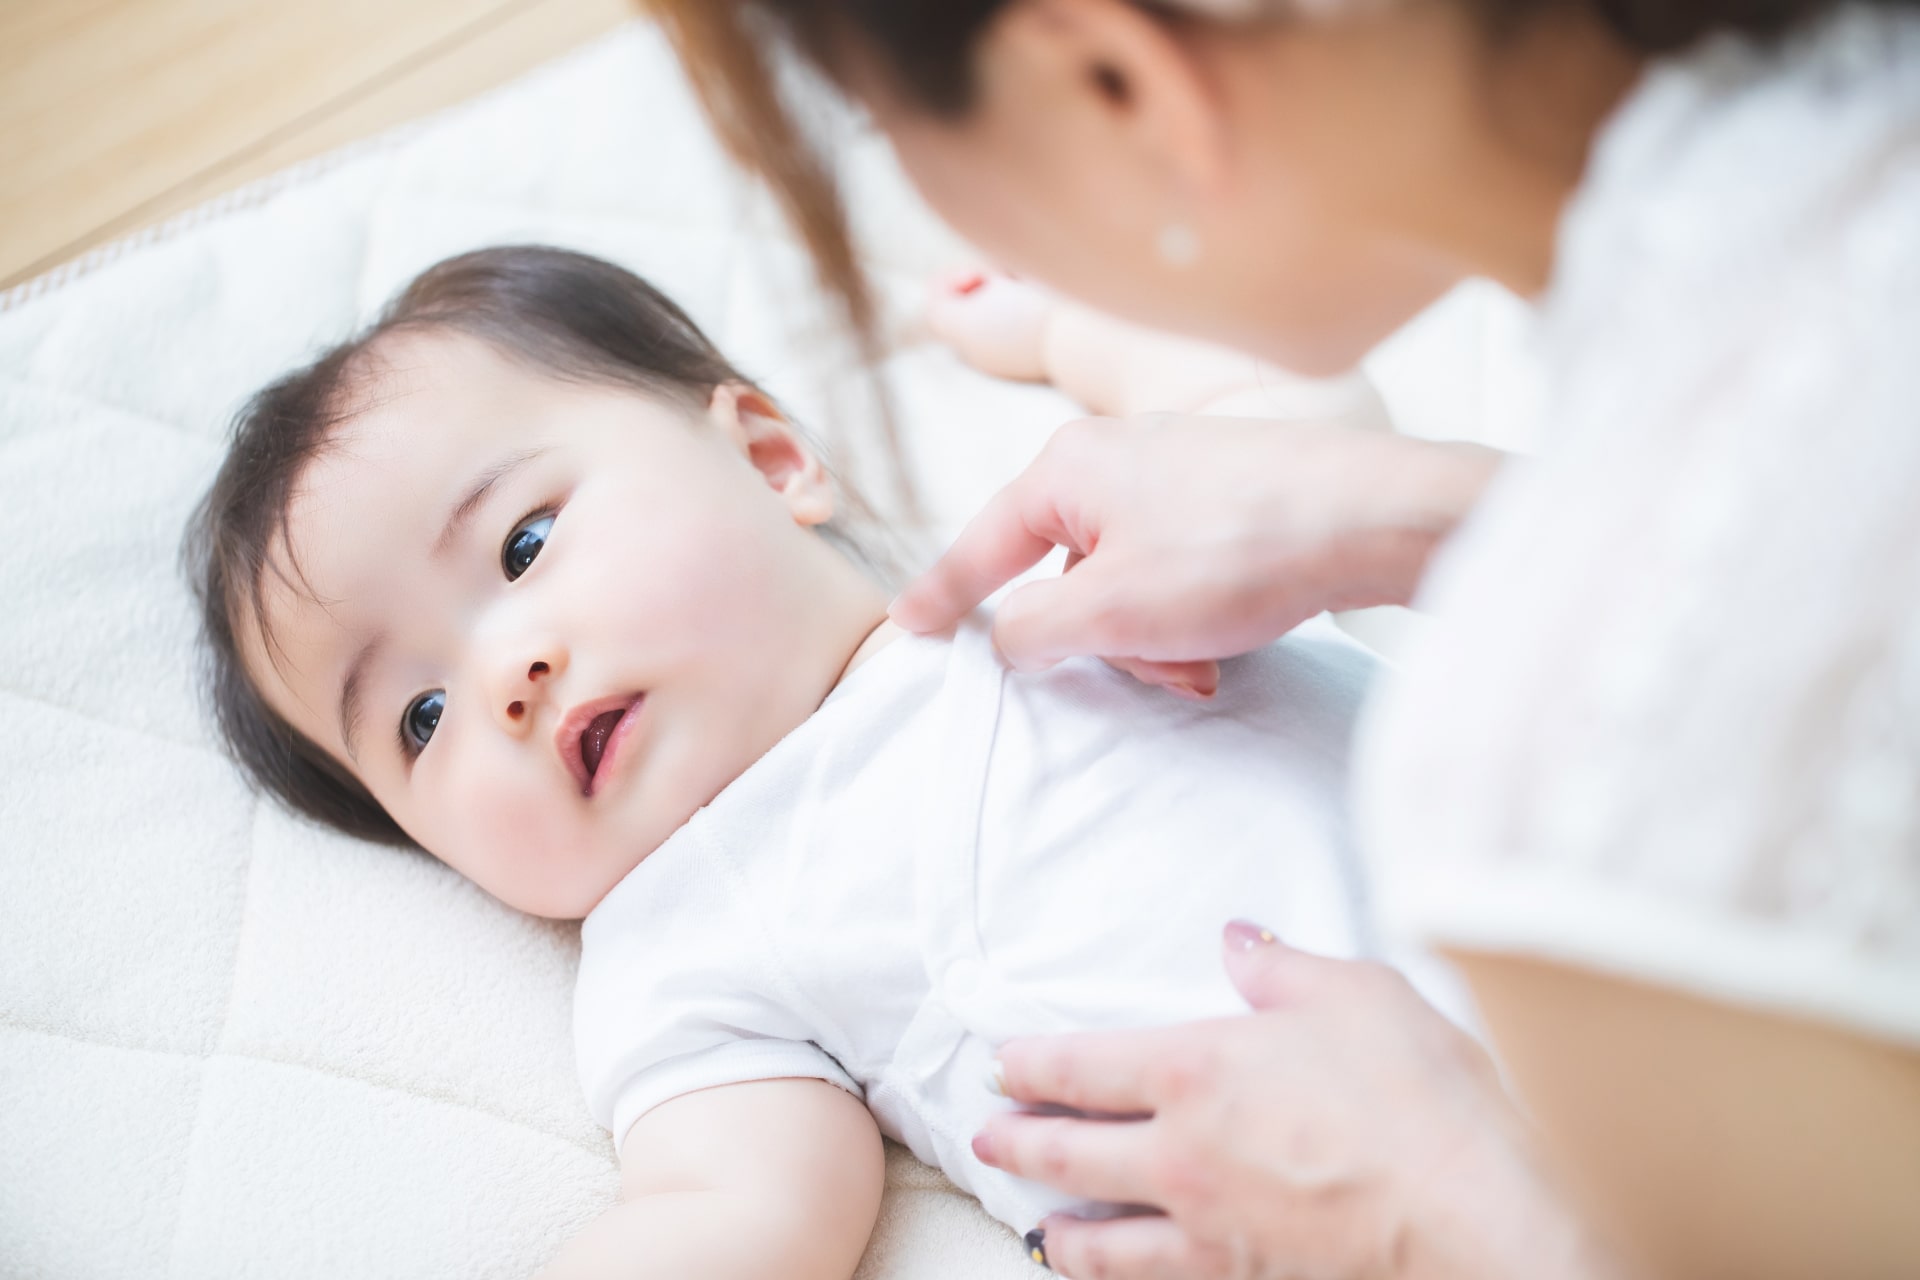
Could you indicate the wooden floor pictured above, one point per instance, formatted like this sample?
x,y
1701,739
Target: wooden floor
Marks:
x,y
115,114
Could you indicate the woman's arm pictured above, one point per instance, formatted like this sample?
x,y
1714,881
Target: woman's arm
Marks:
x,y
1718,1141
771,1178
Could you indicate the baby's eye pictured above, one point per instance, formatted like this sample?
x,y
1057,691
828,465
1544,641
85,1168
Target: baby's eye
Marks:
x,y
524,544
421,719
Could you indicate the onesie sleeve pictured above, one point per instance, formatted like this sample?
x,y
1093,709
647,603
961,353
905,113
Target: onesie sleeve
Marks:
x,y
678,992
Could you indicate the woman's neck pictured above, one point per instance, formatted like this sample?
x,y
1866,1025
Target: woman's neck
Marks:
x,y
1548,91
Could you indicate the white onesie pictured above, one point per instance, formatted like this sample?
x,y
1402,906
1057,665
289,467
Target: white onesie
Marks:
x,y
947,855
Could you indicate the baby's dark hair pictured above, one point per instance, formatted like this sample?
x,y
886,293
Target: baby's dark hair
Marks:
x,y
571,316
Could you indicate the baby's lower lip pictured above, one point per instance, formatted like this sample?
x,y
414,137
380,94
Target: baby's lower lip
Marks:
x,y
610,753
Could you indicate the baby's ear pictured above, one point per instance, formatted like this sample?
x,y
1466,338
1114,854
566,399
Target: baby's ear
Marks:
x,y
754,425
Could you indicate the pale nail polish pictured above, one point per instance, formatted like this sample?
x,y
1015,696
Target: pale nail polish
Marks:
x,y
1247,935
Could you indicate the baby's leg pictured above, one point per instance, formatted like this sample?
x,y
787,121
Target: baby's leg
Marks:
x,y
1013,329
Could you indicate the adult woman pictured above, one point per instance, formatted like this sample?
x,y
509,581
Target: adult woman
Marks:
x,y
1666,825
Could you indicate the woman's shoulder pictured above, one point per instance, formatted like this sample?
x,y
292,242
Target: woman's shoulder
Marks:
x,y
1735,182
1787,128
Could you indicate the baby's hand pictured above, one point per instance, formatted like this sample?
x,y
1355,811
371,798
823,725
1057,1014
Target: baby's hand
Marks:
x,y
997,324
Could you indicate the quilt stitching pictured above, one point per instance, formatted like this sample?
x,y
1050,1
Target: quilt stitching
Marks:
x,y
84,399
88,717
10,1023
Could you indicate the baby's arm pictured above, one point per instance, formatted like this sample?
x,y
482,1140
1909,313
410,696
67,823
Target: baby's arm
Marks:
x,y
1012,329
771,1178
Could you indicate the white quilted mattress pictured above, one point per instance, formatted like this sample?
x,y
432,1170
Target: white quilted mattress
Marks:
x,y
231,1044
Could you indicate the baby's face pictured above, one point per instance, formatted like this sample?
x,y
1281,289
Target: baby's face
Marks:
x,y
543,621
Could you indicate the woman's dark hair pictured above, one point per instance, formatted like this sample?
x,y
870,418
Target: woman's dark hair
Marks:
x,y
926,49
565,314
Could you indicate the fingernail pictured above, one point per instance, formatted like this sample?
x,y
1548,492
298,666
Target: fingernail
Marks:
x,y
1191,692
1036,1242
997,1078
983,1148
1247,935
969,284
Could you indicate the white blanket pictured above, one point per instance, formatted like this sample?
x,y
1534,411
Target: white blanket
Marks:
x,y
232,1044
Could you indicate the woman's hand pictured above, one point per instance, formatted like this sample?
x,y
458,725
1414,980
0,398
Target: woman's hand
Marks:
x,y
1347,1130
1192,539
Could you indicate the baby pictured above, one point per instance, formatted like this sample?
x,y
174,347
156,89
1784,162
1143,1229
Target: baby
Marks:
x,y
529,576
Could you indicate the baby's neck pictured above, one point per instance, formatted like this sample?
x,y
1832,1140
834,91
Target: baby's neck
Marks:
x,y
884,633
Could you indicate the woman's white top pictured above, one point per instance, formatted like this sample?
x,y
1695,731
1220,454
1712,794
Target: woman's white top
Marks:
x,y
1670,726
948,855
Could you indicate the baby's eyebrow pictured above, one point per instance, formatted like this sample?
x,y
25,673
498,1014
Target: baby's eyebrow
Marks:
x,y
351,690
476,494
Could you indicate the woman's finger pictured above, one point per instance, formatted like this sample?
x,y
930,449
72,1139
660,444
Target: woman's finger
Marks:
x,y
1053,619
1105,1072
1199,680
1142,1248
1099,1159
1007,538
1195,680
1269,974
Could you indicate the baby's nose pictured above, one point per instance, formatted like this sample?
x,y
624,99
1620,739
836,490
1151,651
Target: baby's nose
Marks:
x,y
536,671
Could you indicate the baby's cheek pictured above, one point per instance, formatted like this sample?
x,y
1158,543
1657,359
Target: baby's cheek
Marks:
x,y
690,604
502,833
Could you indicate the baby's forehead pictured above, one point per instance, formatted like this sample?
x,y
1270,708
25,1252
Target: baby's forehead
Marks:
x,y
400,369
416,395
402,439
426,413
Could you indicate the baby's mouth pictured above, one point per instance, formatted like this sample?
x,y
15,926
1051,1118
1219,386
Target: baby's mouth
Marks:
x,y
593,739
589,736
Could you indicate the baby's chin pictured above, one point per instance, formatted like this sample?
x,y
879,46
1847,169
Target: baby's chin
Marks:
x,y
563,884
570,899
552,882
558,876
